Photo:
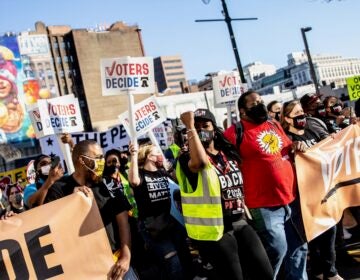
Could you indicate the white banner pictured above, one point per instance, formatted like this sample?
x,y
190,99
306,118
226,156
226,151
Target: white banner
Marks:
x,y
127,74
227,88
147,116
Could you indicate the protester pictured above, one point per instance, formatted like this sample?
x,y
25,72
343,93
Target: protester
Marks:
x,y
211,167
45,177
270,185
334,119
274,109
322,248
162,234
180,145
88,162
14,193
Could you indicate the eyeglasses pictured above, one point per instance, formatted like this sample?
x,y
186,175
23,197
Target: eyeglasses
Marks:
x,y
96,157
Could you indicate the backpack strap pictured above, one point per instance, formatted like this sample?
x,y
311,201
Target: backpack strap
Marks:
x,y
239,130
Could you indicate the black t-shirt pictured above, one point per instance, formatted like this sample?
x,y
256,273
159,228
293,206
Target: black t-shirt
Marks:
x,y
231,182
153,194
309,137
109,206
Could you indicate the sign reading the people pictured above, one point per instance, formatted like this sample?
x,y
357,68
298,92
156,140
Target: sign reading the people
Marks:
x,y
329,180
56,115
40,244
353,87
127,74
227,88
147,116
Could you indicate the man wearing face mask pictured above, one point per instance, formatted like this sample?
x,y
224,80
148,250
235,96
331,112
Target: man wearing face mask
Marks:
x,y
89,163
274,109
334,119
270,185
34,194
15,196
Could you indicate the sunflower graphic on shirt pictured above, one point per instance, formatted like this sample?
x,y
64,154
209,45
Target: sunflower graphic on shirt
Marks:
x,y
270,142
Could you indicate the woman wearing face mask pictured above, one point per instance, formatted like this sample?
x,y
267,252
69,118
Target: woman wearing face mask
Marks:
x,y
334,119
162,234
321,249
274,109
211,186
15,197
46,176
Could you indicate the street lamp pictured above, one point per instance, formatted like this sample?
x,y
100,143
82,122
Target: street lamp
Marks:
x,y
311,65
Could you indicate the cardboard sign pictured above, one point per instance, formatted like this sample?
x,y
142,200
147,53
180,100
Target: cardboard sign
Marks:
x,y
15,175
227,88
353,87
329,180
58,115
40,244
147,116
127,74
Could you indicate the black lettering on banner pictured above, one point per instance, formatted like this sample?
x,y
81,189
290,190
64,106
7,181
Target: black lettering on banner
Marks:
x,y
38,253
16,257
103,143
95,136
78,137
113,133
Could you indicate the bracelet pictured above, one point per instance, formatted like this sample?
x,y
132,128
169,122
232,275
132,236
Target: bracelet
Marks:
x,y
190,130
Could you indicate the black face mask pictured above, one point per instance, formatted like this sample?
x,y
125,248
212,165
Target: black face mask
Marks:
x,y
277,116
206,136
258,113
336,109
123,162
109,170
320,111
299,121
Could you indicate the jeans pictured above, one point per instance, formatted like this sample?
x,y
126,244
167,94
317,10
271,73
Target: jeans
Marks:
x,y
172,251
322,254
283,242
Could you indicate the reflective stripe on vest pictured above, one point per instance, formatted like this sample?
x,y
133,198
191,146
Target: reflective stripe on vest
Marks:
x,y
202,208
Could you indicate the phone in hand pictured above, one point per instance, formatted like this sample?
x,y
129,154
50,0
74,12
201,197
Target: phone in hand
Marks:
x,y
55,162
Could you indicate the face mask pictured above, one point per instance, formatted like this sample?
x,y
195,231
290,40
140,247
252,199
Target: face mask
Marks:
x,y
123,161
277,116
110,169
18,198
159,161
206,136
258,113
45,169
99,165
320,111
299,121
336,109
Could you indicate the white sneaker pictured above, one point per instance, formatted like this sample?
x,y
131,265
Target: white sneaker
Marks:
x,y
336,277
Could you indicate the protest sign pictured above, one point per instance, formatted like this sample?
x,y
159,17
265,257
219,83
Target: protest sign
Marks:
x,y
127,74
15,174
353,87
329,180
227,88
147,115
40,244
60,115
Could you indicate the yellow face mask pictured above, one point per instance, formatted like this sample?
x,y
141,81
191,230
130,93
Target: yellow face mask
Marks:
x,y
98,166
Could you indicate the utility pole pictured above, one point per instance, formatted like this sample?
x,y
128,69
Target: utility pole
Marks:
x,y
228,21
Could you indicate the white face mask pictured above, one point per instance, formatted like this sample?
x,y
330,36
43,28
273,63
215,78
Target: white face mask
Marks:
x,y
45,169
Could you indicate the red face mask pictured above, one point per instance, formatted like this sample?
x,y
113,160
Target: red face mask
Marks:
x,y
159,161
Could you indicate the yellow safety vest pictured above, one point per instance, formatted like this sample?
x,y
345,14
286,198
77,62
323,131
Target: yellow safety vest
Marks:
x,y
175,149
202,209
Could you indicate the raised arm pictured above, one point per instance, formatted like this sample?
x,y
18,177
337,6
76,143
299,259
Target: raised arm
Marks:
x,y
198,156
133,176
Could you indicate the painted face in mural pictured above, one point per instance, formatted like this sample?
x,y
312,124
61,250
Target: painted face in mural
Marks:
x,y
5,88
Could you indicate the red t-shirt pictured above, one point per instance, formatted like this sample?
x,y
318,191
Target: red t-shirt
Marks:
x,y
268,173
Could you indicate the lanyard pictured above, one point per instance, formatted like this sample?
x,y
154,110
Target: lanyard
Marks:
x,y
222,165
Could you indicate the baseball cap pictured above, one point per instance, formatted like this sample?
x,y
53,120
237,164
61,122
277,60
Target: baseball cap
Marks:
x,y
309,98
204,114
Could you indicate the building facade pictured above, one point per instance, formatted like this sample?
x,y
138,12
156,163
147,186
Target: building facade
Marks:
x,y
76,57
170,74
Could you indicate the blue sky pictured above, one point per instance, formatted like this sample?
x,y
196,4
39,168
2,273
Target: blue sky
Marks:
x,y
169,28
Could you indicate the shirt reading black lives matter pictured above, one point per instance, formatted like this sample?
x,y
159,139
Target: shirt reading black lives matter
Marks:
x,y
153,194
109,206
231,183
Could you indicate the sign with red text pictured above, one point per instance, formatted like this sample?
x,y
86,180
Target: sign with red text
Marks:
x,y
57,115
328,177
147,116
40,244
227,88
127,74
